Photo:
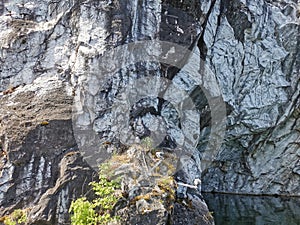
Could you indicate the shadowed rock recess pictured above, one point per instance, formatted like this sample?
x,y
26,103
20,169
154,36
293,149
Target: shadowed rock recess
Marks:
x,y
50,49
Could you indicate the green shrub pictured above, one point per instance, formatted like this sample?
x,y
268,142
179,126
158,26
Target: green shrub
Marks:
x,y
83,212
17,217
98,211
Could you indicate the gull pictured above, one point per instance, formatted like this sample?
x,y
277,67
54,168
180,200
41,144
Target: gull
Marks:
x,y
197,182
159,155
179,30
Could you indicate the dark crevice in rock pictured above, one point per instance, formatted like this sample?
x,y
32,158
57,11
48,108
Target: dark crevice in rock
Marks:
x,y
190,7
201,43
236,16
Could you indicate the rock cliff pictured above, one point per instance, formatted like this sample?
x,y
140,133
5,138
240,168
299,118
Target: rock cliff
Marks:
x,y
253,48
215,81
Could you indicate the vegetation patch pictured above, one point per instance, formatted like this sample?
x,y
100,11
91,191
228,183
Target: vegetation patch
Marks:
x,y
17,217
97,211
148,185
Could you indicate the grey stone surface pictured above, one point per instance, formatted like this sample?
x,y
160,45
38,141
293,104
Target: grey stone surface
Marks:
x,y
51,51
253,50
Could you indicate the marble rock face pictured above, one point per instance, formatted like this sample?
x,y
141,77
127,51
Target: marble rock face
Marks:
x,y
215,81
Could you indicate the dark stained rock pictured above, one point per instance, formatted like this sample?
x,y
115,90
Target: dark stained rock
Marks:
x,y
41,168
52,57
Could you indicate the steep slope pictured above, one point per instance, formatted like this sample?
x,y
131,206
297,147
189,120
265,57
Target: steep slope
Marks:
x,y
73,75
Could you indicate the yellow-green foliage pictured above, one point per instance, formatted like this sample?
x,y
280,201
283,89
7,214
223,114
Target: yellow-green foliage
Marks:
x,y
83,212
96,212
106,192
17,217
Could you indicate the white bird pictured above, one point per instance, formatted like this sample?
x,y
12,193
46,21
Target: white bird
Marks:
x,y
159,155
179,30
197,182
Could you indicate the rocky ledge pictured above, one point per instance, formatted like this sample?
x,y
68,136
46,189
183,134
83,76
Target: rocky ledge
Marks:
x,y
146,191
